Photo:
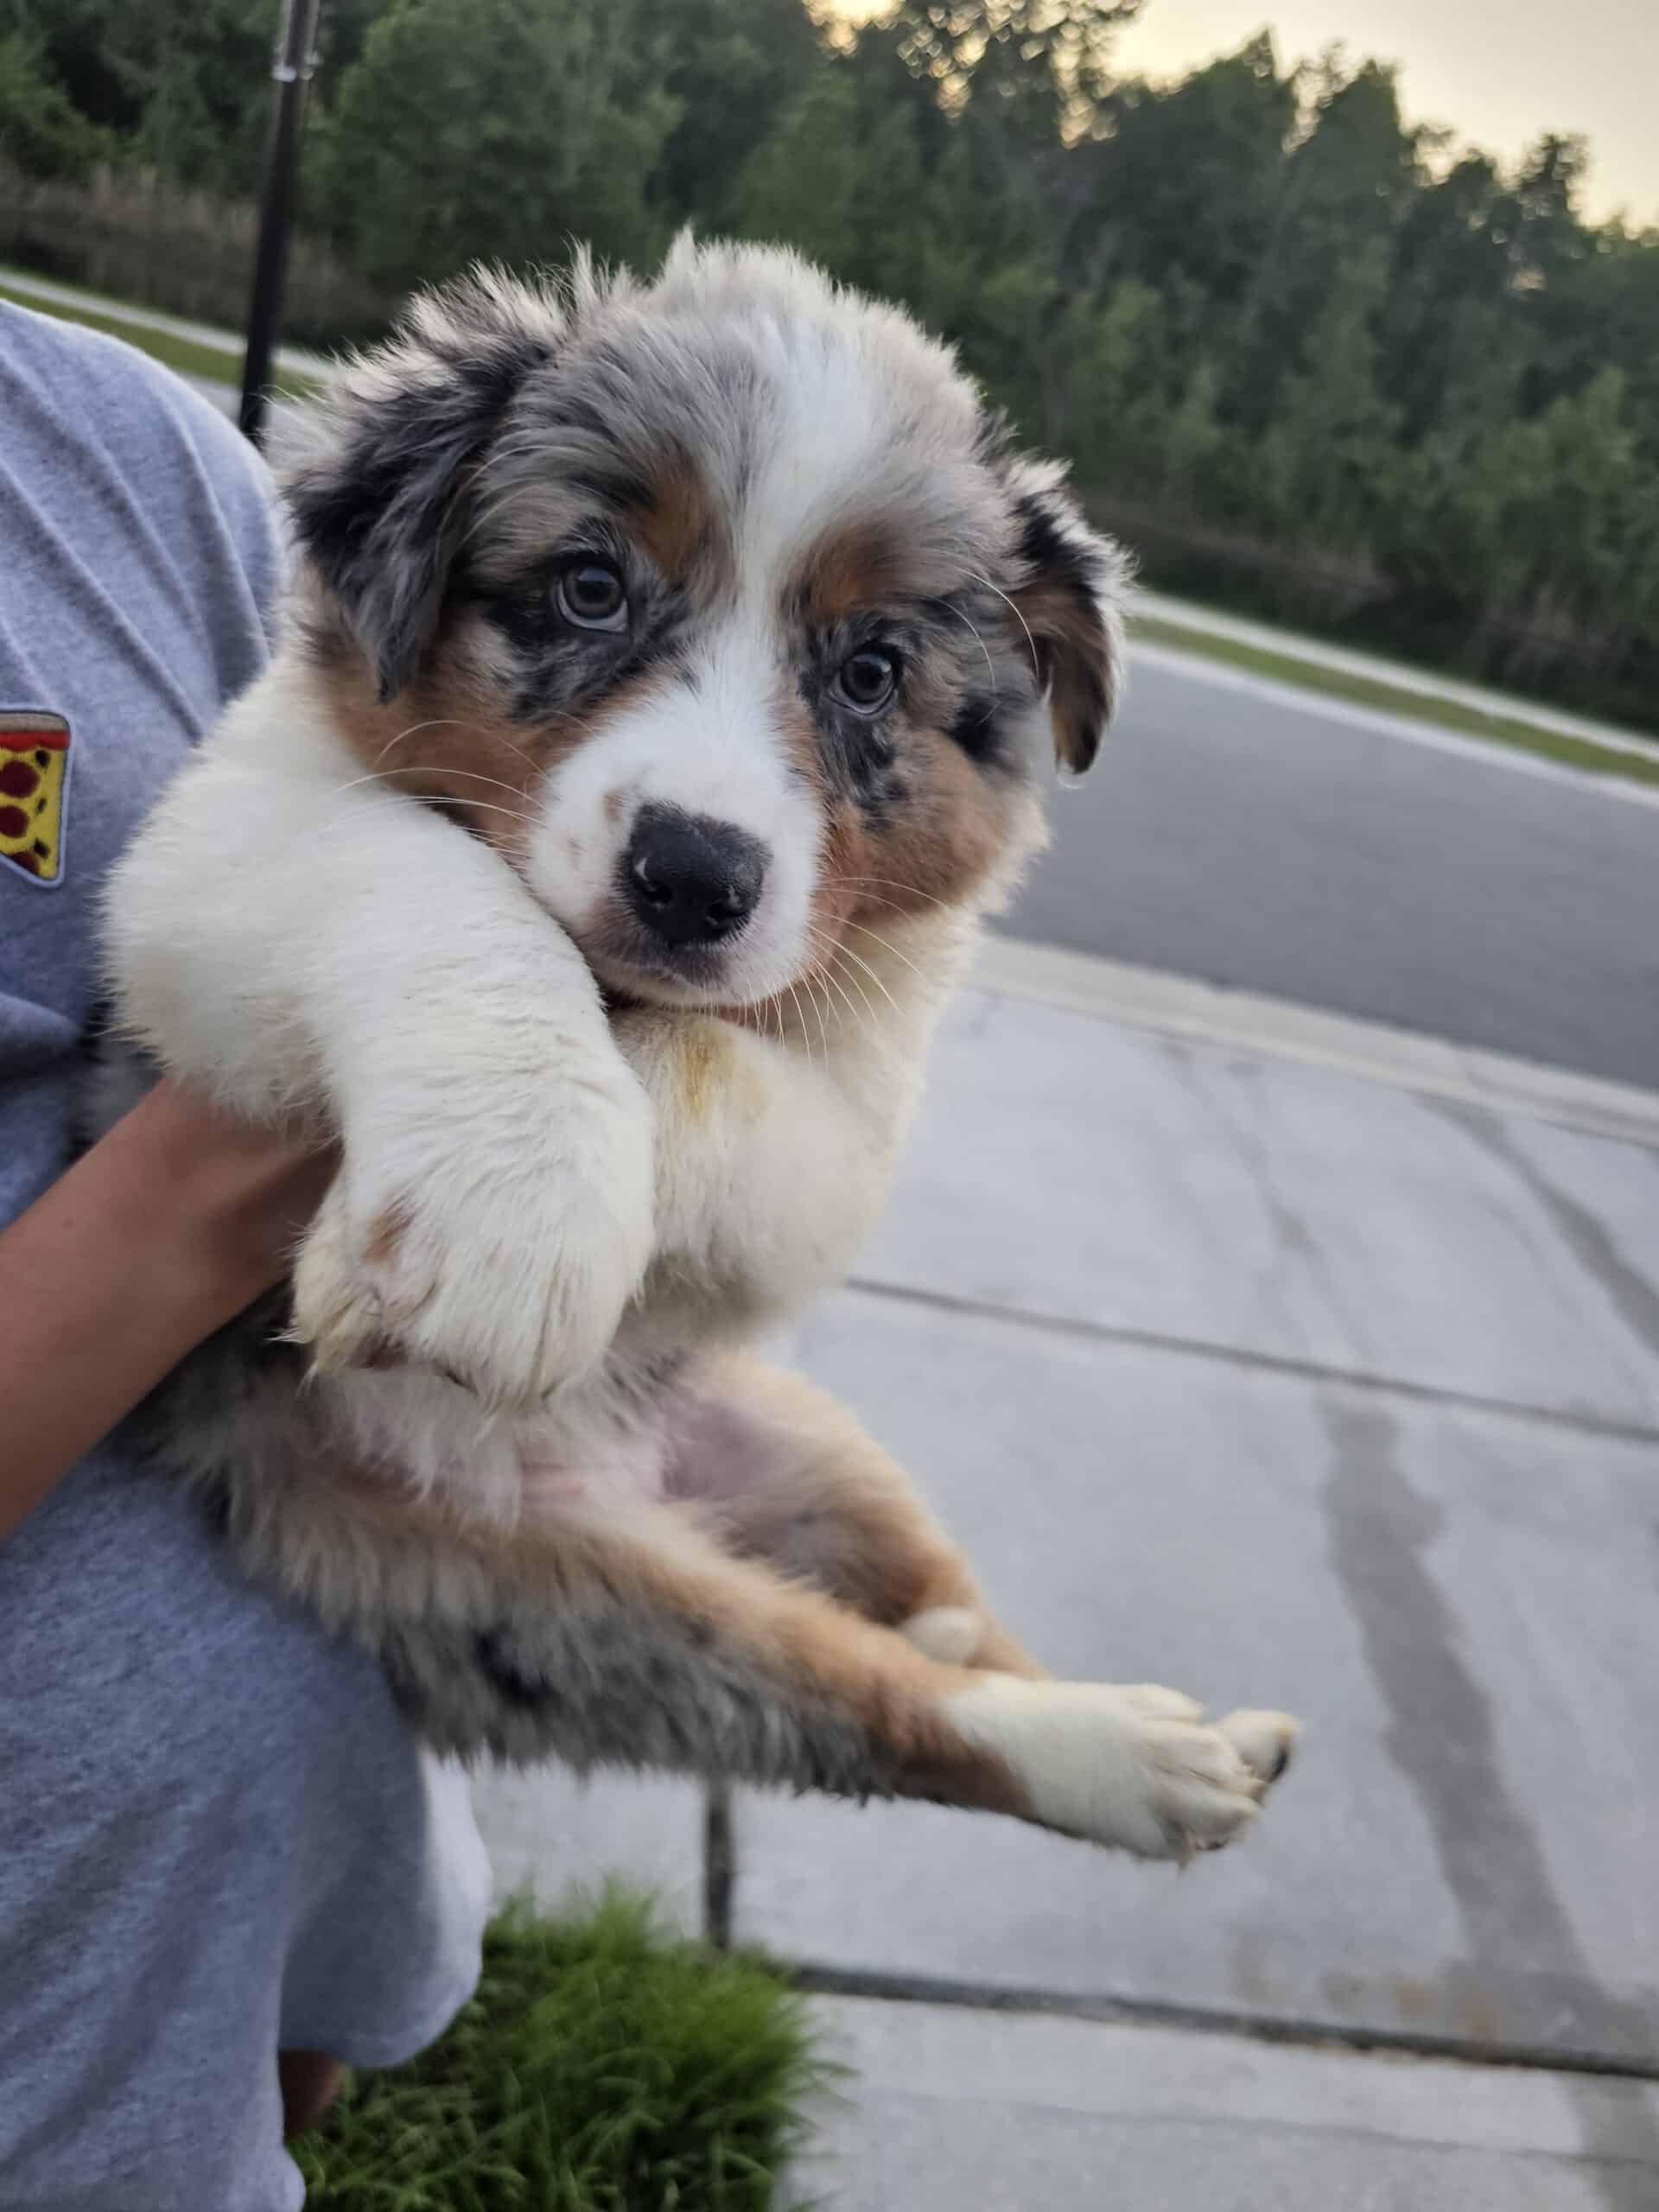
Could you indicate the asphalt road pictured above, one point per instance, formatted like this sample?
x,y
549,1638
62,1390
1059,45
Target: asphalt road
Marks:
x,y
1267,839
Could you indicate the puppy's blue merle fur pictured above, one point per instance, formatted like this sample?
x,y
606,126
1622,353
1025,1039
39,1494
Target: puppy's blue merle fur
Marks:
x,y
665,695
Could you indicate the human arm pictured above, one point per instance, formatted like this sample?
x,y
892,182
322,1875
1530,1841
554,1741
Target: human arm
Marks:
x,y
167,1228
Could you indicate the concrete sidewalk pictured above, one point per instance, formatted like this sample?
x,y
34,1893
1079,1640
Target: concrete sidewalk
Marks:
x,y
963,2110
1290,1362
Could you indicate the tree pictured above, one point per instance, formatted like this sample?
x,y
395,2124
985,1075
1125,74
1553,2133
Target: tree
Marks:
x,y
179,84
41,131
730,66
1446,356
1369,364
495,129
1342,192
1048,59
1190,176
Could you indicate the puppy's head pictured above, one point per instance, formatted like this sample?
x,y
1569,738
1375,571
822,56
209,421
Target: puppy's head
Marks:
x,y
719,606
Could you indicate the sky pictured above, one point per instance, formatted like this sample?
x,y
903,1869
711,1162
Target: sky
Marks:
x,y
1499,72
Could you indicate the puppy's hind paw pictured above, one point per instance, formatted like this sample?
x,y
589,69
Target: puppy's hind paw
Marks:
x,y
1265,1741
951,1634
1138,1768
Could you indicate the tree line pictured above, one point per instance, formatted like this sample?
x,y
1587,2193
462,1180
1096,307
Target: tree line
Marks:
x,y
1311,358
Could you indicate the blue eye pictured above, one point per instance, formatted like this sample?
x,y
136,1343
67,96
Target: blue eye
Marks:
x,y
591,596
866,681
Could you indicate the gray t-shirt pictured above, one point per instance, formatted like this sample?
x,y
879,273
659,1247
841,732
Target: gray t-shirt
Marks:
x,y
216,1837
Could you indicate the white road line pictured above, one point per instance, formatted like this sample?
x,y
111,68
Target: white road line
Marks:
x,y
1321,706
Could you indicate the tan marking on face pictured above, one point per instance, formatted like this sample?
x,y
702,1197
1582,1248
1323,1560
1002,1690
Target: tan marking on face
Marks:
x,y
957,834
793,722
957,840
850,569
681,526
449,739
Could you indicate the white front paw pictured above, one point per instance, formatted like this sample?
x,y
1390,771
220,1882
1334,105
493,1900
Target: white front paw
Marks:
x,y
507,1266
1136,1768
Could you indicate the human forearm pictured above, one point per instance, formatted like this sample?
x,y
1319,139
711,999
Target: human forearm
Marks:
x,y
168,1227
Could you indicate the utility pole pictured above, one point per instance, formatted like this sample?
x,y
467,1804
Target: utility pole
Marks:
x,y
291,73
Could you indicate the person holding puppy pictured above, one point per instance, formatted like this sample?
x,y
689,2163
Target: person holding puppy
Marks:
x,y
225,1865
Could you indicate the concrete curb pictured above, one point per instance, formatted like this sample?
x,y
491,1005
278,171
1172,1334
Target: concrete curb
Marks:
x,y
1178,1006
955,2108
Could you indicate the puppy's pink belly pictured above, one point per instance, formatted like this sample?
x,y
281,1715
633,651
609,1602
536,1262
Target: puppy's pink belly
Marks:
x,y
547,1485
715,1451
704,1450
550,1485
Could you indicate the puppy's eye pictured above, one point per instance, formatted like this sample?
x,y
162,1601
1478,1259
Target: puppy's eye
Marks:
x,y
866,681
591,594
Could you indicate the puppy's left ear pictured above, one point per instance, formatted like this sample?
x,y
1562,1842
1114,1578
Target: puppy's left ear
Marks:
x,y
1072,588
377,473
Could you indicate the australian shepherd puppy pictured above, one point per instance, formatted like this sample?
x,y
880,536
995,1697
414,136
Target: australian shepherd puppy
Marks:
x,y
661,703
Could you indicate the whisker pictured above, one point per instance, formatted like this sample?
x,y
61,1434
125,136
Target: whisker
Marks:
x,y
827,969
889,883
494,507
452,722
806,1040
529,758
765,1020
847,952
472,775
514,449
952,608
831,983
892,905
812,1001
1036,660
887,946
438,722
385,775
863,999
486,806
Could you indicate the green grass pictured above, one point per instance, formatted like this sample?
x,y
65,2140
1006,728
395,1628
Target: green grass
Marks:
x,y
184,354
605,2065
1375,691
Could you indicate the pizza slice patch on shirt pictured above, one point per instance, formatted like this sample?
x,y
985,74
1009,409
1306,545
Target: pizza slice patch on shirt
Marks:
x,y
33,770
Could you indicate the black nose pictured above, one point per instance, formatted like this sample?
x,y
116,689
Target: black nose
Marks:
x,y
690,879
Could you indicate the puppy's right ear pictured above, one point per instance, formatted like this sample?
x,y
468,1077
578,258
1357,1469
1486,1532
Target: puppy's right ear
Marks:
x,y
377,472
1070,597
